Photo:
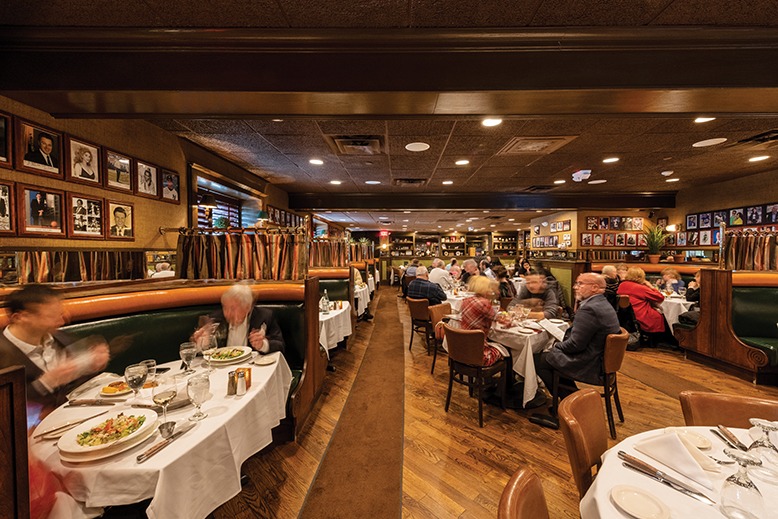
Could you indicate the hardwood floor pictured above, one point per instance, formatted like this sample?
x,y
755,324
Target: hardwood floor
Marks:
x,y
453,468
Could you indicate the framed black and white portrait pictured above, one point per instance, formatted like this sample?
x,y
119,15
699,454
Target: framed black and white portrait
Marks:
x,y
121,224
171,187
83,164
6,149
38,149
7,209
118,171
85,217
146,180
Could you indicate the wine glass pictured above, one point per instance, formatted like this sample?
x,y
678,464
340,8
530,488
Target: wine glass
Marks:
x,y
763,448
682,292
188,350
151,369
162,394
197,388
740,499
135,376
208,347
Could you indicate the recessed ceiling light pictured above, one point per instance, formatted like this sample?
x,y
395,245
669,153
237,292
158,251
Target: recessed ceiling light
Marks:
x,y
559,181
600,181
673,179
463,162
405,220
667,173
407,212
372,182
486,211
440,226
417,146
491,122
472,218
327,212
447,182
383,217
610,160
492,225
336,182
538,210
759,159
277,120
316,162
704,119
709,142
460,224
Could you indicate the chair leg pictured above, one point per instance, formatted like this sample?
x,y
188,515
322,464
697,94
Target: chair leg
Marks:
x,y
450,385
413,330
555,394
434,357
608,409
616,399
504,388
480,383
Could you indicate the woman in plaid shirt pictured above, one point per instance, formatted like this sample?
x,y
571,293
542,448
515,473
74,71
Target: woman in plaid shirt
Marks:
x,y
478,313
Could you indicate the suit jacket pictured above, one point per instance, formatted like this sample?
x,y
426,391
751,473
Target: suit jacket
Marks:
x,y
579,355
258,316
37,157
115,231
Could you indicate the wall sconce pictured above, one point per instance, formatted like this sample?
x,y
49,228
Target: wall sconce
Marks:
x,y
208,203
671,228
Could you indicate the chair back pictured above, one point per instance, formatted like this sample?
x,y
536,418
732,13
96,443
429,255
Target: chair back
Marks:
x,y
704,408
406,280
437,312
615,348
504,302
419,309
14,480
465,346
586,437
523,497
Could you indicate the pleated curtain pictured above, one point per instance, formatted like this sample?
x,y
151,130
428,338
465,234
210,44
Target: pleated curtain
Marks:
x,y
751,252
327,253
61,266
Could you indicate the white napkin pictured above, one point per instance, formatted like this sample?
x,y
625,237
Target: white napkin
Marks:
x,y
552,328
680,455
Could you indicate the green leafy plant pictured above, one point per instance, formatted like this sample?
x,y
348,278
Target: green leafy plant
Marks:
x,y
655,238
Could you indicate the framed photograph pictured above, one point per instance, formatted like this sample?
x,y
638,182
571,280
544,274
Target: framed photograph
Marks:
x,y
7,209
553,226
705,220
720,216
566,225
705,238
118,171
670,242
604,223
592,222
146,180
40,211
288,219
536,229
171,187
716,236
38,149
83,162
632,239
693,238
621,239
661,223
586,239
736,217
680,239
771,213
609,240
121,216
691,222
754,215
567,237
6,151
642,240
637,223
85,218
597,240
616,223
626,223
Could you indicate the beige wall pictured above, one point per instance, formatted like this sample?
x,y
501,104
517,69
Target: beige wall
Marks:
x,y
139,139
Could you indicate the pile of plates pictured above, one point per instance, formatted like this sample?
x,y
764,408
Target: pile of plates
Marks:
x,y
71,451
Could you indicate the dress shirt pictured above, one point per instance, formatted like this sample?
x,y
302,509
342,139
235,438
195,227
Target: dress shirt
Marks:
x,y
424,289
238,336
45,356
442,278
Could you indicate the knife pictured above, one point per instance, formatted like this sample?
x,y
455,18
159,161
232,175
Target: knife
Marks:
x,y
731,438
86,402
179,404
63,427
164,443
723,438
644,468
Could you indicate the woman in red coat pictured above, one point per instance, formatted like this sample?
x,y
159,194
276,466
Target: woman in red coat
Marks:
x,y
643,297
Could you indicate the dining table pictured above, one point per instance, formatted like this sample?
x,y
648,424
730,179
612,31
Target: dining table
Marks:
x,y
602,499
362,297
335,325
194,474
455,300
371,283
673,306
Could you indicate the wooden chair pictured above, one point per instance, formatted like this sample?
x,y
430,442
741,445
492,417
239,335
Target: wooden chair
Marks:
x,y
397,275
504,302
523,497
586,439
466,366
703,408
404,282
420,321
615,349
437,317
14,479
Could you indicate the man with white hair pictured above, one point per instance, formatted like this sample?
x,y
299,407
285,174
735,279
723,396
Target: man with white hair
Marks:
x,y
612,281
440,275
423,288
470,268
241,323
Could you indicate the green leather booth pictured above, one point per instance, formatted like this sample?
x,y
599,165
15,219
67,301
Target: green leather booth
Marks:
x,y
337,289
755,318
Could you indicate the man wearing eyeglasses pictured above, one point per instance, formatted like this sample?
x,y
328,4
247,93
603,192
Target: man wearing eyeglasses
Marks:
x,y
579,355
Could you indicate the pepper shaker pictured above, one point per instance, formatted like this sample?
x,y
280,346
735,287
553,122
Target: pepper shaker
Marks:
x,y
232,383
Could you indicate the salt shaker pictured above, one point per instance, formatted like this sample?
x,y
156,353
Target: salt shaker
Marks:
x,y
232,385
241,389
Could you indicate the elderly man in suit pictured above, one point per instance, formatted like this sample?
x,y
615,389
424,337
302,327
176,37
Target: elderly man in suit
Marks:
x,y
579,355
43,154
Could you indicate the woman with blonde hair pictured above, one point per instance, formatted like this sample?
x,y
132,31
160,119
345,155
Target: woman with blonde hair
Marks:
x,y
478,313
672,279
644,298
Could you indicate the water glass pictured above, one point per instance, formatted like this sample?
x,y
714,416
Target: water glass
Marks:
x,y
151,369
188,350
682,291
162,394
740,499
135,376
198,389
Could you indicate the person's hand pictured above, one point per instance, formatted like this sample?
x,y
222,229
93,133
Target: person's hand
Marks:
x,y
693,284
67,371
100,355
257,339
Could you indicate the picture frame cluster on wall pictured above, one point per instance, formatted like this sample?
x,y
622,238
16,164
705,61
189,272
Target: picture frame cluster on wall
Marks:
x,y
764,214
284,218
614,223
545,242
560,226
610,239
33,148
28,210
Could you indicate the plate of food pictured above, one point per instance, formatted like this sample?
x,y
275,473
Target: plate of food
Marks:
x,y
557,321
108,431
120,387
230,354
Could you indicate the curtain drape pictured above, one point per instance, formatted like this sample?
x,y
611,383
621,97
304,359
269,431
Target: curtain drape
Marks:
x,y
361,251
328,253
242,256
751,251
58,266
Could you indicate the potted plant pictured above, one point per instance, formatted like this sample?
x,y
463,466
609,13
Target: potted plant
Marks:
x,y
655,240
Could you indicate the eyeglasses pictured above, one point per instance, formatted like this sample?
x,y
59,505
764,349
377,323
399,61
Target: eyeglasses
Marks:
x,y
578,283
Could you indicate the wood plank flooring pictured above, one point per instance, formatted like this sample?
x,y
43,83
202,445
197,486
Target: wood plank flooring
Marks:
x,y
453,468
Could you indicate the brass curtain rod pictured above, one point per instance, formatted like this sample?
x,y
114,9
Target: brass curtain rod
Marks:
x,y
232,230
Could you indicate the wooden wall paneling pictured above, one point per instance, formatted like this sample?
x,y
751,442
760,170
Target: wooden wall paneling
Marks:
x,y
14,479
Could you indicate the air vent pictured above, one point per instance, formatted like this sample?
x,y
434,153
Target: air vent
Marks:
x,y
359,145
538,189
534,145
409,182
763,141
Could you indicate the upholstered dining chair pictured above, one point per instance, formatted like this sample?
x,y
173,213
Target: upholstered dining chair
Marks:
x,y
404,282
615,349
466,367
523,498
438,314
586,439
704,408
420,320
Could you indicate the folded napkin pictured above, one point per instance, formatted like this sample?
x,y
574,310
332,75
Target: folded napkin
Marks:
x,y
679,454
552,328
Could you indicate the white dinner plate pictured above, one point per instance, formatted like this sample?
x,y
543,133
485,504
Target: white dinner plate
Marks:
x,y
557,321
525,331
701,442
68,444
107,453
638,503
266,360
125,391
245,355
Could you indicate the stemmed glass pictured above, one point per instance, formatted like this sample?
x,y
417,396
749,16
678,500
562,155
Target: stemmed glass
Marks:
x,y
740,499
135,376
162,394
763,448
682,292
188,350
151,369
197,388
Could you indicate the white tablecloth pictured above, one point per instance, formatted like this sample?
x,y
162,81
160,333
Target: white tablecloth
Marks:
x,y
672,307
362,295
456,301
196,473
335,326
371,284
597,504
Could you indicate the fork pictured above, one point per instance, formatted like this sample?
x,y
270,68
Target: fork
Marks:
x,y
721,462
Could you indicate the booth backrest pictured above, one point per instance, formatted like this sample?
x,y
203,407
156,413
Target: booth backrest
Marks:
x,y
755,311
336,280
